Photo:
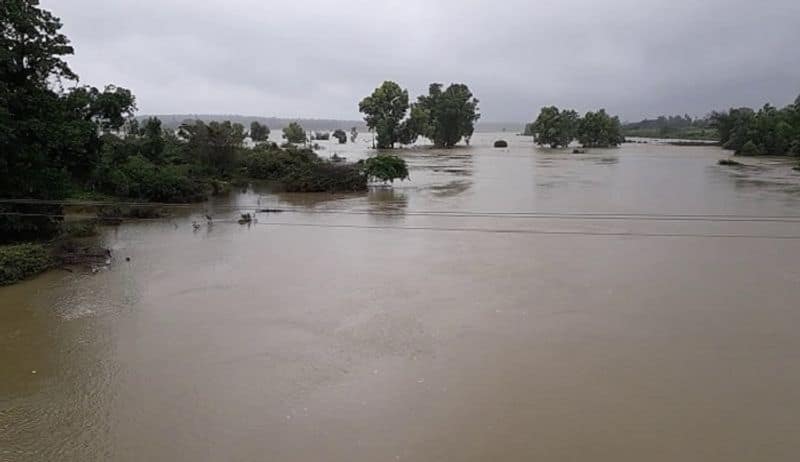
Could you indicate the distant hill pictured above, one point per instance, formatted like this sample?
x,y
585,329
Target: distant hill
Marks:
x,y
277,123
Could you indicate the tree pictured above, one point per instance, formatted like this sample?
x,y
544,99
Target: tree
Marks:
x,y
48,137
340,135
554,127
385,168
384,110
353,134
294,133
598,129
258,132
215,144
445,117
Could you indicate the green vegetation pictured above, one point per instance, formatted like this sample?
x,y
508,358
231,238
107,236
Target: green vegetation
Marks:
x,y
385,168
501,144
340,135
443,116
20,261
384,111
599,130
554,127
259,132
558,128
294,133
672,127
768,131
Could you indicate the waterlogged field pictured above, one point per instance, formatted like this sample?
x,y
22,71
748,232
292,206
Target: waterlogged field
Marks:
x,y
631,304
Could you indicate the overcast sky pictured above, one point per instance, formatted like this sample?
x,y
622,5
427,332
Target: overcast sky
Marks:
x,y
314,58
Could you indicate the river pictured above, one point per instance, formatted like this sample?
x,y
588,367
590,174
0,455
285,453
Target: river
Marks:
x,y
504,304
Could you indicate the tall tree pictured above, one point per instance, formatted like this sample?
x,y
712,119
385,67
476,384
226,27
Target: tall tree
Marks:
x,y
384,111
294,133
554,127
445,117
598,129
258,132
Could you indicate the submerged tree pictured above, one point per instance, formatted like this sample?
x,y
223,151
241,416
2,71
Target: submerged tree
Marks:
x,y
598,129
445,117
340,135
215,144
554,127
294,133
258,132
353,134
384,111
385,168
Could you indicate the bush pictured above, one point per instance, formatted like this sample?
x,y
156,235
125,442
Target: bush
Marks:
x,y
340,135
139,178
749,149
385,168
326,177
20,261
501,144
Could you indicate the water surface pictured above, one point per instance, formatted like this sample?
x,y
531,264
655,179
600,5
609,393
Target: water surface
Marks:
x,y
504,304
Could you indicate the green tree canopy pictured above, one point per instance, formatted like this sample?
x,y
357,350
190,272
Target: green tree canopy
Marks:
x,y
384,110
258,132
385,168
554,127
340,135
294,133
598,129
445,117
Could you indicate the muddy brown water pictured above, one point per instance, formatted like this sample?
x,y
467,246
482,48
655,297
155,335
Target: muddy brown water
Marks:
x,y
441,319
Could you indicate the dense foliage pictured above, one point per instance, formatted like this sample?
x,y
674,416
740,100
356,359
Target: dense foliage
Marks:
x,y
301,170
769,130
49,136
598,129
443,116
340,135
558,128
294,133
676,126
554,127
23,260
385,168
259,132
384,111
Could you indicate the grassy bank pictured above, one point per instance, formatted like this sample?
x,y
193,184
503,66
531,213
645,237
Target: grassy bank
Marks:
x,y
21,261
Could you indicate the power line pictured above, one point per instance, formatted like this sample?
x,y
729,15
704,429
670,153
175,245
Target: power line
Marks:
x,y
609,216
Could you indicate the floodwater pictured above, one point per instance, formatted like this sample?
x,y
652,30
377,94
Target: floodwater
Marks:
x,y
505,304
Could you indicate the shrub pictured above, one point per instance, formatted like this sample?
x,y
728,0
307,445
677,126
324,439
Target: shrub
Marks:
x,y
141,179
749,149
385,168
340,135
501,144
20,261
325,177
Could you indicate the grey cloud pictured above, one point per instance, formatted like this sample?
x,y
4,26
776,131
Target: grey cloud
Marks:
x,y
313,58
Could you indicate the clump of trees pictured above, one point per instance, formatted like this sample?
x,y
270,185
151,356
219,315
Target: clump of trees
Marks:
x,y
294,133
769,130
443,116
302,170
674,126
340,135
558,128
259,132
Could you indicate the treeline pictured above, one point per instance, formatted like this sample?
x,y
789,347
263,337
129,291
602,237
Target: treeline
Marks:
x,y
445,115
675,126
58,142
768,131
558,128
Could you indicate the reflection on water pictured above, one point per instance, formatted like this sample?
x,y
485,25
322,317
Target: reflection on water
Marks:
x,y
407,322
